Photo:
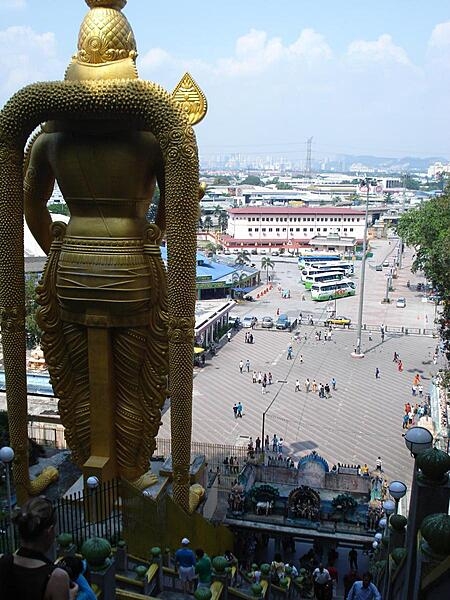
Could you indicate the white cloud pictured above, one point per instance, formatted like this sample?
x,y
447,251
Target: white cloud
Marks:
x,y
25,57
440,36
13,4
382,50
155,59
310,46
254,54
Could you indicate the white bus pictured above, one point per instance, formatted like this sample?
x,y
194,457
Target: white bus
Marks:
x,y
347,266
321,277
309,256
330,290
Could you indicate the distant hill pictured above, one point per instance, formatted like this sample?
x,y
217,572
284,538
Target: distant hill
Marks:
x,y
406,163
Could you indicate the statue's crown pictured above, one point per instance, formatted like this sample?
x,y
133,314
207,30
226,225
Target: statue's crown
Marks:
x,y
106,44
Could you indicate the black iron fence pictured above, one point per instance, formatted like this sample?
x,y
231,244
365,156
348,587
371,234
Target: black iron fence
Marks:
x,y
96,513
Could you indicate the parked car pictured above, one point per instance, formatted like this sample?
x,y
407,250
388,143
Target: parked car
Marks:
x,y
386,263
267,322
401,303
248,298
275,253
263,251
345,321
248,322
283,322
379,268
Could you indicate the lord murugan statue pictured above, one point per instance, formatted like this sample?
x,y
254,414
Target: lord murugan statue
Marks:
x,y
115,325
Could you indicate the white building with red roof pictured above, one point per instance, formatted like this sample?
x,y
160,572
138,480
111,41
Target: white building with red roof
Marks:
x,y
289,227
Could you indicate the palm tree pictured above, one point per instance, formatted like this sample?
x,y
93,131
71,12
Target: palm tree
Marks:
x,y
242,258
267,263
223,221
207,222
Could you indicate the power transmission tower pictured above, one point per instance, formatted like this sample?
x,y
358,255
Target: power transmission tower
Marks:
x,y
308,170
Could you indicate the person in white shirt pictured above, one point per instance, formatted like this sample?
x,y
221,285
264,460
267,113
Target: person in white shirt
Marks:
x,y
322,582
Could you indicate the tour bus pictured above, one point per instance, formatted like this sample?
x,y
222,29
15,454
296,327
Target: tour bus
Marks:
x,y
321,277
347,266
311,256
329,290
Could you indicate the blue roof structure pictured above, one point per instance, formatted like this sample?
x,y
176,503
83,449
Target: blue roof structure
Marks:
x,y
212,270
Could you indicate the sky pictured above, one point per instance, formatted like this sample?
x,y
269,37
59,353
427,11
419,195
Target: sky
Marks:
x,y
359,77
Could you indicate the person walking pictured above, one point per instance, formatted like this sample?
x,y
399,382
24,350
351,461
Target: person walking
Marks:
x,y
269,378
258,444
239,409
254,377
322,582
263,386
297,385
314,386
203,569
247,365
229,336
241,366
400,366
353,559
301,358
289,353
364,589
396,357
321,390
235,410
327,390
274,443
333,383
185,565
267,443
259,377
307,385
377,373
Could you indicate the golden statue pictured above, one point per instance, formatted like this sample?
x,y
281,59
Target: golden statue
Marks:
x,y
113,328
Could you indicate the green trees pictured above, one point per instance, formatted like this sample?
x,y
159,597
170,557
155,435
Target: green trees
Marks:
x,y
427,230
32,330
267,263
59,208
207,222
242,258
251,180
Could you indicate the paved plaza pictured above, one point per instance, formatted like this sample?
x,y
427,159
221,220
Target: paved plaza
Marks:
x,y
362,419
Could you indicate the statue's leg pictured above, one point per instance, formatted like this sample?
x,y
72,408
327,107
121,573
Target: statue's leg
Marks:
x,y
129,347
74,408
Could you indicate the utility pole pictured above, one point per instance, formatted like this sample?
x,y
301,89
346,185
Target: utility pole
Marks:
x,y
357,352
308,169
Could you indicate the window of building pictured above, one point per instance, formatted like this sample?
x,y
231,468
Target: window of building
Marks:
x,y
297,229
250,229
270,228
305,229
277,229
351,228
325,228
263,229
311,228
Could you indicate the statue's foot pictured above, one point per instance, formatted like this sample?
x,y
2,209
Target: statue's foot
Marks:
x,y
145,481
43,480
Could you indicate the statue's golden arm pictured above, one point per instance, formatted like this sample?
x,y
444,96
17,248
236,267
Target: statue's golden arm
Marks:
x,y
39,181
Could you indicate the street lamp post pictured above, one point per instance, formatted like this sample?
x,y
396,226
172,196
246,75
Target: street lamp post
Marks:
x,y
6,457
357,352
397,490
92,484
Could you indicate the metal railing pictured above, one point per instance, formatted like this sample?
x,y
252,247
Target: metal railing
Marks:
x,y
97,513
